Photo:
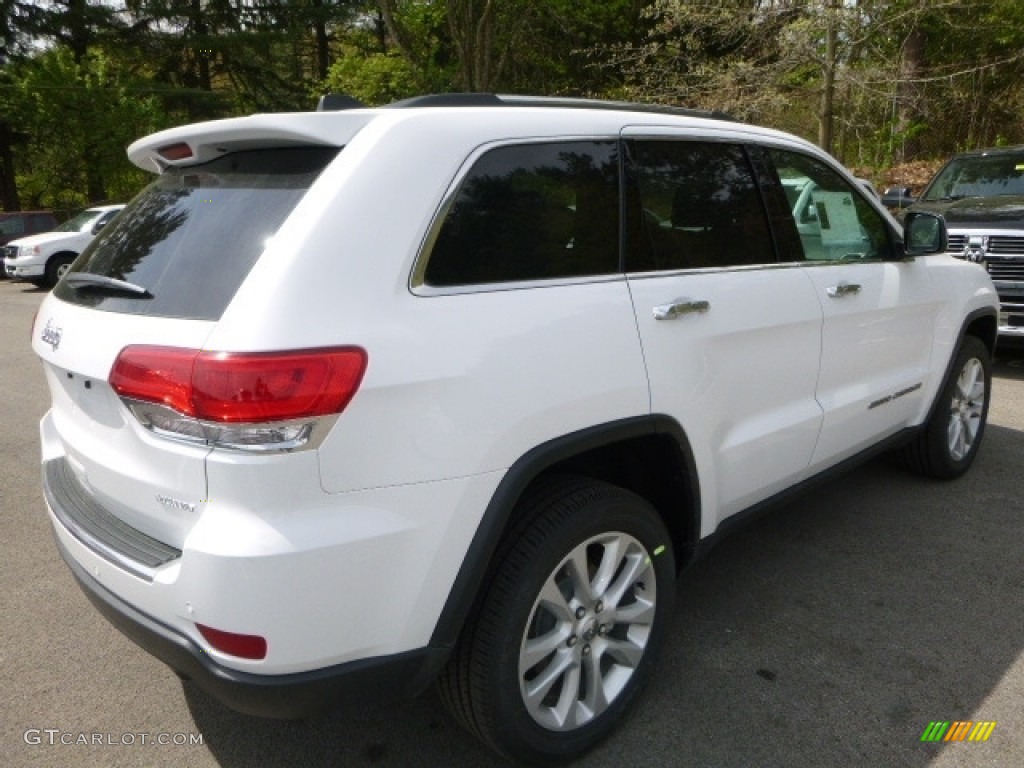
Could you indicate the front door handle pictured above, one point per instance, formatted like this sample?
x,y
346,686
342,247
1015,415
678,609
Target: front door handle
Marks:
x,y
843,289
680,307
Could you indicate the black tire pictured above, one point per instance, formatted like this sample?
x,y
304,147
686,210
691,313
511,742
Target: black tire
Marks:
x,y
947,444
57,266
607,629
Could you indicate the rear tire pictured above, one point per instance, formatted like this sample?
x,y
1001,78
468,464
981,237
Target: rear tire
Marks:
x,y
945,448
569,624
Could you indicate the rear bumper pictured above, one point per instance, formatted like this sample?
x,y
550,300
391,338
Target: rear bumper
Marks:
x,y
280,696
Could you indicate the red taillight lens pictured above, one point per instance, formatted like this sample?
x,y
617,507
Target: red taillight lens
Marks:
x,y
243,646
156,375
275,386
231,387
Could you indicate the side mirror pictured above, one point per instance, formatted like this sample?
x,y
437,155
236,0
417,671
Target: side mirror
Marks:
x,y
99,225
923,234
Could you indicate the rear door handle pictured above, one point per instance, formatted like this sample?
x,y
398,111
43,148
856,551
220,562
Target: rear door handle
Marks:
x,y
843,289
680,307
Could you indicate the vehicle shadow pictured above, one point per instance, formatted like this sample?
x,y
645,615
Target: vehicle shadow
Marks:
x,y
830,631
30,288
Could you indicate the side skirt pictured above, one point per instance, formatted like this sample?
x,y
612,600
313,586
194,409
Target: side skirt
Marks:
x,y
740,519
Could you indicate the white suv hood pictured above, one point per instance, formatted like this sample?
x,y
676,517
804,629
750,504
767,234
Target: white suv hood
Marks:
x,y
75,240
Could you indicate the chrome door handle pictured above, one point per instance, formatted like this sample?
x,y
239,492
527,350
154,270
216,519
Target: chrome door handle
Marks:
x,y
680,307
843,289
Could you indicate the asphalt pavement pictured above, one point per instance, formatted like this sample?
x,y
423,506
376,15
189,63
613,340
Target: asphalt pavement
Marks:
x,y
830,632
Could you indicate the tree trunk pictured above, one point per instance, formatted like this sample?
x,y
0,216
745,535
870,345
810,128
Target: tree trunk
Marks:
x,y
79,31
200,44
323,53
908,96
8,189
828,85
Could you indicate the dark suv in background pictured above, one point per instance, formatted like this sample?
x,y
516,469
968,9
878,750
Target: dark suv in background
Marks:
x,y
980,194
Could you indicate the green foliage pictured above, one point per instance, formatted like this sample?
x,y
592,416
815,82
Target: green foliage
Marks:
x,y
78,118
80,80
375,78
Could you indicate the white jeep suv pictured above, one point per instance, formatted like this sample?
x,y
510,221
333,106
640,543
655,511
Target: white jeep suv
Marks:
x,y
43,259
346,403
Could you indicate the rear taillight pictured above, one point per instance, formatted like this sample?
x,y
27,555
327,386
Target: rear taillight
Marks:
x,y
252,401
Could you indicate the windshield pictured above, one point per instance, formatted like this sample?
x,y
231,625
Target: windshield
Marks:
x,y
979,176
190,238
81,223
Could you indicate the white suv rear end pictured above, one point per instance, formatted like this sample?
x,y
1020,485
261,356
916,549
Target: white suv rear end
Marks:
x,y
346,402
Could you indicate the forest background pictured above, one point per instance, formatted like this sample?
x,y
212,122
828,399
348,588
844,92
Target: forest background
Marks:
x,y
889,88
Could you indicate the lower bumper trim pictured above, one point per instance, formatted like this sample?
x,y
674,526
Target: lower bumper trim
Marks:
x,y
289,696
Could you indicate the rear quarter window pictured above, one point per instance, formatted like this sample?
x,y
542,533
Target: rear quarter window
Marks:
x,y
192,236
529,212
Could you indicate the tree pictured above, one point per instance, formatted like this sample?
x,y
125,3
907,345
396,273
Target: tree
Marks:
x,y
79,117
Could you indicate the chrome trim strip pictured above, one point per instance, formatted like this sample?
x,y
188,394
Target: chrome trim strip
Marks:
x,y
314,430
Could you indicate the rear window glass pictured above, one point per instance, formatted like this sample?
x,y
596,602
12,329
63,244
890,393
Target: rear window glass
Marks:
x,y
191,237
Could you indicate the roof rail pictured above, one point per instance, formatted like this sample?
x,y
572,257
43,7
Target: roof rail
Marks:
x,y
449,100
332,102
513,100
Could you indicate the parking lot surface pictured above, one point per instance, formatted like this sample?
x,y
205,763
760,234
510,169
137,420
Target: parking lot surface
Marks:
x,y
831,631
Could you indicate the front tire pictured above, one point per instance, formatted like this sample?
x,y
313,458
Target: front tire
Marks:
x,y
946,446
57,267
569,625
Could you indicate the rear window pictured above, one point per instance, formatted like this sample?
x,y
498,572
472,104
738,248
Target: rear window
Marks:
x,y
191,237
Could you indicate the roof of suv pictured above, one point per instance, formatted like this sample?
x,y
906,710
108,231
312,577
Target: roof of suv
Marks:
x,y
1014,150
202,142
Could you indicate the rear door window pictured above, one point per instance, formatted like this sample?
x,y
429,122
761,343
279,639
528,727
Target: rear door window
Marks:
x,y
192,236
694,205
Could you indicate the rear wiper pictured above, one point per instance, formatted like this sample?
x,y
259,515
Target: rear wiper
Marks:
x,y
88,279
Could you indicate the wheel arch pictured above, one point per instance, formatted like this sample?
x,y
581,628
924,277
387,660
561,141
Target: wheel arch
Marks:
x,y
981,323
648,455
61,255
